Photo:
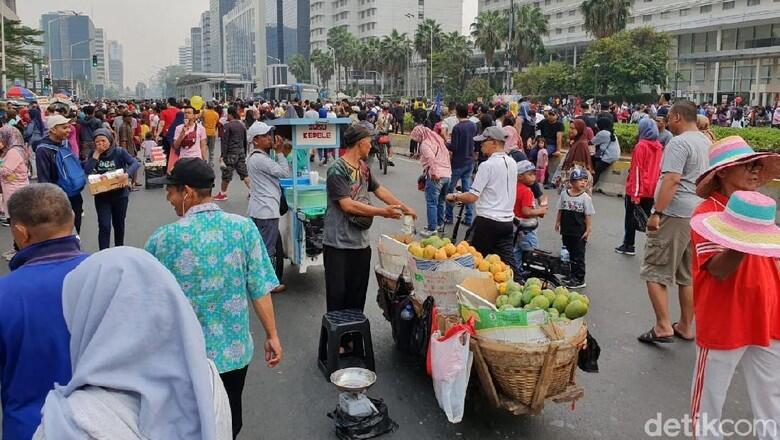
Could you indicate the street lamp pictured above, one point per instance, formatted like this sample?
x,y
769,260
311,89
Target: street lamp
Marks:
x,y
596,76
84,70
48,33
335,70
410,17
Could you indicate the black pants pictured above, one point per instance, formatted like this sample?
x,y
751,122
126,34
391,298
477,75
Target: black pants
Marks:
x,y
576,247
346,277
269,230
412,147
599,166
630,227
234,387
492,237
77,205
111,211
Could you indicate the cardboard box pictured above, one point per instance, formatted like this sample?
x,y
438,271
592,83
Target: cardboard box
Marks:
x,y
110,184
439,279
392,254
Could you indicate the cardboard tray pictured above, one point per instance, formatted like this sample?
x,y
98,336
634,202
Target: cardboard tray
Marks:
x,y
106,185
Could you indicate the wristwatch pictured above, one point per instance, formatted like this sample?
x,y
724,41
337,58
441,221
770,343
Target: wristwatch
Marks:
x,y
654,212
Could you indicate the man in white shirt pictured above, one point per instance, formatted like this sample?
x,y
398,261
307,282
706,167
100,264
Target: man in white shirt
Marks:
x,y
493,191
450,121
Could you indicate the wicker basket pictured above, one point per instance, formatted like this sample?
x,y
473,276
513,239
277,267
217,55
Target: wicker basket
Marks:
x,y
518,369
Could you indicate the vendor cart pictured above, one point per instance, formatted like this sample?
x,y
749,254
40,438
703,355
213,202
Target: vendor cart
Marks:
x,y
302,226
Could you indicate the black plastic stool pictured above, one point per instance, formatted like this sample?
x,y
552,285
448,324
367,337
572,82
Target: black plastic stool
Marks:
x,y
338,328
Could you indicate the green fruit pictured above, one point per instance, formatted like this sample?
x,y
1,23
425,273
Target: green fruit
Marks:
x,y
516,299
446,241
576,309
529,307
426,242
533,281
553,313
535,290
505,307
560,302
513,287
574,296
541,302
549,294
586,299
560,290
502,300
527,297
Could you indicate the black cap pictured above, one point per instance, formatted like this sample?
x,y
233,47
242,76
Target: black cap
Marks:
x,y
354,134
191,171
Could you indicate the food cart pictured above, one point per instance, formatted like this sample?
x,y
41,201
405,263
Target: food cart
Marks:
x,y
301,227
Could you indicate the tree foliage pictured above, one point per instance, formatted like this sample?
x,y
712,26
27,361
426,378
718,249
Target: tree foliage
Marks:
x,y
448,69
554,78
21,54
529,26
477,89
605,17
622,63
489,32
323,63
428,36
300,68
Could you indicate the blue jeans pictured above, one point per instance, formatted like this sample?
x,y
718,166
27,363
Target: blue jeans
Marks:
x,y
435,198
462,174
525,242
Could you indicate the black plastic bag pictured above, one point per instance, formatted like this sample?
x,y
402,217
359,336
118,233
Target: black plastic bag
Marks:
x,y
588,359
359,428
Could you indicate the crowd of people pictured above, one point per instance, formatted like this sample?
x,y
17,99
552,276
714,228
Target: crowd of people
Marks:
x,y
186,359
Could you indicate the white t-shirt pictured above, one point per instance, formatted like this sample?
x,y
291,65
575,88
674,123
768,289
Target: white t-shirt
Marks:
x,y
311,114
449,123
496,187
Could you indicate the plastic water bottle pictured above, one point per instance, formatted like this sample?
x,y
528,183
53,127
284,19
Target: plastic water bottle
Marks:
x,y
564,254
407,313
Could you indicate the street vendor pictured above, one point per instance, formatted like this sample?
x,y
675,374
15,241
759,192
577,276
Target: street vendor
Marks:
x,y
346,249
736,282
493,192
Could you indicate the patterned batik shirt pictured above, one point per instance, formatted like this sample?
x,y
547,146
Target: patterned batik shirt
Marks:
x,y
220,261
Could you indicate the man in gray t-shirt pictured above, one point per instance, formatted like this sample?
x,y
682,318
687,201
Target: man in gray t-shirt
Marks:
x,y
667,259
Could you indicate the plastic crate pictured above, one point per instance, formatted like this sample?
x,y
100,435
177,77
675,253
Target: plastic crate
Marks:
x,y
307,198
288,183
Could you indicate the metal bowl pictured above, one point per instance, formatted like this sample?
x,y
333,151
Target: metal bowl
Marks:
x,y
353,380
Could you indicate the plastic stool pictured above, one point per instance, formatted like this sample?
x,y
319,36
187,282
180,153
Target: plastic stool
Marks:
x,y
338,328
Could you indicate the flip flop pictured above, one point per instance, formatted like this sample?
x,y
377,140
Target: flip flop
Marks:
x,y
651,338
680,335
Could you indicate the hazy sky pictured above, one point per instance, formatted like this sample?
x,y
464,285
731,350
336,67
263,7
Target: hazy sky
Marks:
x,y
150,30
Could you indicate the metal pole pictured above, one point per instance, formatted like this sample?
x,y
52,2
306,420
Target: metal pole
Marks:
x,y
2,31
431,62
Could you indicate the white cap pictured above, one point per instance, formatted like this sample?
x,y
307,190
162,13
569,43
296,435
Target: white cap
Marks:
x,y
258,129
55,120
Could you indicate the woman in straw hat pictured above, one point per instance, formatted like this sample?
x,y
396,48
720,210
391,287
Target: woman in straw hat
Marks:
x,y
736,282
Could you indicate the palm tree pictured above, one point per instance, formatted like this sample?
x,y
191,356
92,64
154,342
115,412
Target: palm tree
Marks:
x,y
529,28
605,17
428,34
452,61
489,34
396,53
323,62
338,38
300,68
372,57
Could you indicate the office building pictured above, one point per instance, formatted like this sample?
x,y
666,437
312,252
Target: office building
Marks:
x,y
8,9
101,71
205,25
185,55
68,45
196,44
116,65
217,11
287,29
719,48
373,18
244,48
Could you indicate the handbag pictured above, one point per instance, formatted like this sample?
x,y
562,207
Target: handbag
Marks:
x,y
360,221
640,218
421,181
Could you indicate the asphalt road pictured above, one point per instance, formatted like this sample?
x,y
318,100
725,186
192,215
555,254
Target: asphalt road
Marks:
x,y
636,381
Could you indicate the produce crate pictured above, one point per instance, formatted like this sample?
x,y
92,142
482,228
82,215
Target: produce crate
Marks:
x,y
110,184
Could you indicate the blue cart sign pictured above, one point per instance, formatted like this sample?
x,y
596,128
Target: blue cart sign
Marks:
x,y
314,133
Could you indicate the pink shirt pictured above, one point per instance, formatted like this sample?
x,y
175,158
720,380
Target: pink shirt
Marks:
x,y
512,138
193,151
435,159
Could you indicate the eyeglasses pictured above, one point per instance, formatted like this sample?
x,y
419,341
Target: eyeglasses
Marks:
x,y
754,166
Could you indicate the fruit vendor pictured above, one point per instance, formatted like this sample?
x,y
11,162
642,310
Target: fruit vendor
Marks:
x,y
346,245
493,193
736,282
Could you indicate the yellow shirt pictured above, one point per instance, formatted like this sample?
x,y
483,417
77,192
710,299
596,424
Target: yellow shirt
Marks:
x,y
144,129
210,119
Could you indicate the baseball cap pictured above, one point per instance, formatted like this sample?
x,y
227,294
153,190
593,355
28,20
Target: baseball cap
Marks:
x,y
258,129
496,133
578,174
55,120
525,166
191,171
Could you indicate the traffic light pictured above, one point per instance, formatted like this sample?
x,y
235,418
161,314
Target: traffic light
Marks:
x,y
47,82
94,61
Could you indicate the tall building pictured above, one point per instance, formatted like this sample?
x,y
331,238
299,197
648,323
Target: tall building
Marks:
x,y
217,11
68,44
116,72
719,47
101,72
196,43
205,25
8,8
244,48
287,29
371,18
185,55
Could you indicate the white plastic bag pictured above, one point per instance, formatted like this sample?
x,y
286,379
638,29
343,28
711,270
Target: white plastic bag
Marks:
x,y
451,367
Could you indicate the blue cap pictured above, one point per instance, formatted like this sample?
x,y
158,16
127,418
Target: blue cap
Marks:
x,y
578,174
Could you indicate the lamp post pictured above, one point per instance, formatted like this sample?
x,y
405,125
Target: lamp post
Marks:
x,y
2,31
84,70
596,88
408,81
335,69
431,62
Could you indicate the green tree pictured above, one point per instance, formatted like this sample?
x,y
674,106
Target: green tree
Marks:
x,y
489,33
553,78
529,28
300,68
605,17
339,39
622,63
323,63
21,54
167,77
428,36
477,89
396,50
450,63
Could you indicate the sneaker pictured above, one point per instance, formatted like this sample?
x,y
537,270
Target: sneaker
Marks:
x,y
625,250
549,186
466,223
390,163
427,233
574,284
9,255
221,197
5,222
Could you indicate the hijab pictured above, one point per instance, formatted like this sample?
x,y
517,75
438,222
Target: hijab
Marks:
x,y
648,130
579,151
133,335
290,113
703,123
11,137
35,117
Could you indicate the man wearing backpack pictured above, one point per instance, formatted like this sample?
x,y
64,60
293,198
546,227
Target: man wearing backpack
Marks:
x,y
57,164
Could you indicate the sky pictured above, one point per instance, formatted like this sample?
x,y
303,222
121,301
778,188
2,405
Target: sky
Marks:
x,y
150,30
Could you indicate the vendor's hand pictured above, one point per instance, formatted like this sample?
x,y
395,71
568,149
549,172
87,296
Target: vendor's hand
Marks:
x,y
410,211
392,211
653,223
273,351
452,198
557,227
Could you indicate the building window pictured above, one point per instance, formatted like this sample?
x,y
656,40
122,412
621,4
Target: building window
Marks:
x,y
647,18
754,2
665,15
547,17
559,15
684,12
572,29
572,12
705,9
537,4
728,5
630,20
558,31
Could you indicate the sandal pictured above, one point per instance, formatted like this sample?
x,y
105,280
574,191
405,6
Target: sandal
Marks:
x,y
680,335
651,338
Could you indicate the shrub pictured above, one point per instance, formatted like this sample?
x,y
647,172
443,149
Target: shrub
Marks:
x,y
760,138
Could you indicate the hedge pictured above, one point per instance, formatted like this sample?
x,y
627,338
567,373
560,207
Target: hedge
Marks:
x,y
760,138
